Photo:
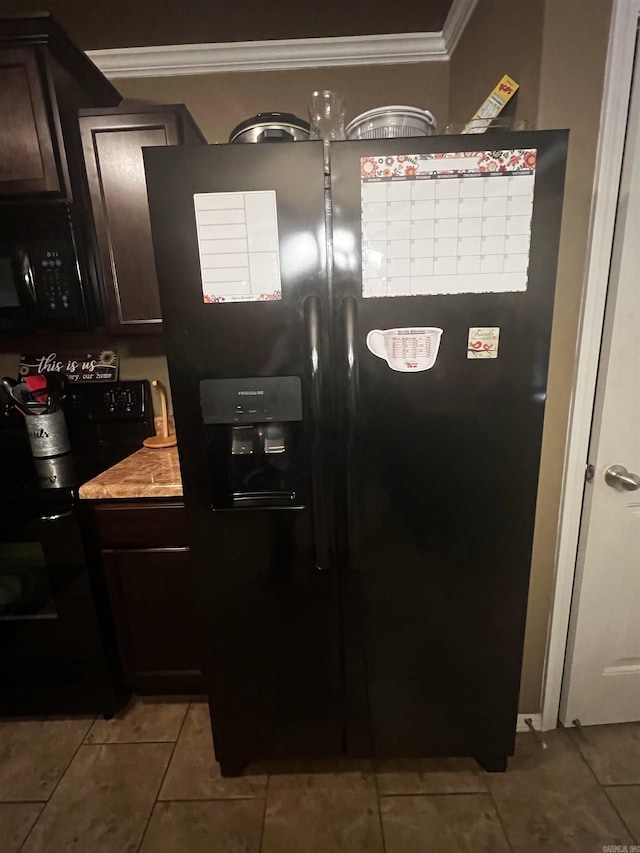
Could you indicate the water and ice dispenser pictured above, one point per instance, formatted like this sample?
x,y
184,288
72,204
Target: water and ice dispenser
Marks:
x,y
253,430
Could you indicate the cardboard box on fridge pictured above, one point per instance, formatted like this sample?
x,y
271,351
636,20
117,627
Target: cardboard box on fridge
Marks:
x,y
499,97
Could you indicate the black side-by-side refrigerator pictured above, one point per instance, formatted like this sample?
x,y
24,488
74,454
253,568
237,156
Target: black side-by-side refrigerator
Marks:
x,y
358,362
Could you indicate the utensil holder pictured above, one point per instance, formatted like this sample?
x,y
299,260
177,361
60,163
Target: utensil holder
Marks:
x,y
55,472
48,434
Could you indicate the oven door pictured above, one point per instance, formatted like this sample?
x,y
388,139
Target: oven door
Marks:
x,y
48,625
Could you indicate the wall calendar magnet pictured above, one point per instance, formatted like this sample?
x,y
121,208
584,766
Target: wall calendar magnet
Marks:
x,y
446,223
483,342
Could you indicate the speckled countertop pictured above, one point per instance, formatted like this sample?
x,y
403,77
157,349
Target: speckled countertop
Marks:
x,y
147,473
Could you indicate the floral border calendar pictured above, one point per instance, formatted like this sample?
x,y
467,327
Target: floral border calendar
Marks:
x,y
446,223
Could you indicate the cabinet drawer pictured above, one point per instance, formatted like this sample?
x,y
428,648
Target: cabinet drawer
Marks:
x,y
130,525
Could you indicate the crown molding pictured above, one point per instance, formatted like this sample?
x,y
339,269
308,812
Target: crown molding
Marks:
x,y
457,19
286,54
275,55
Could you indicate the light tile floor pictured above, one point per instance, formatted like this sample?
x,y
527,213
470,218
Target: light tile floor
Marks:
x,y
148,781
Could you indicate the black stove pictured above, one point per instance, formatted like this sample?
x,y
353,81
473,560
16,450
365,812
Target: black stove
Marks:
x,y
57,647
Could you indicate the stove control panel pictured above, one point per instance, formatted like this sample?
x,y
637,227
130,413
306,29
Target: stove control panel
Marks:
x,y
114,401
124,401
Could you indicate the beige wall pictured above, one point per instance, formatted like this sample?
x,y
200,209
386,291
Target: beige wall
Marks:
x,y
143,358
218,102
574,47
9,362
556,51
501,38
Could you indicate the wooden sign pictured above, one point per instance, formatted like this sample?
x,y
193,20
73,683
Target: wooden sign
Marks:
x,y
75,366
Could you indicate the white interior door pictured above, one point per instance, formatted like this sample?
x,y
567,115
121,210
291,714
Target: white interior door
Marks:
x,y
601,681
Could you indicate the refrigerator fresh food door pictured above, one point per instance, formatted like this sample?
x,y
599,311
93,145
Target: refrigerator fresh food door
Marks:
x,y
240,249
444,275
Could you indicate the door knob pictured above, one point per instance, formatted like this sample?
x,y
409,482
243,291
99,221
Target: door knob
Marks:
x,y
617,475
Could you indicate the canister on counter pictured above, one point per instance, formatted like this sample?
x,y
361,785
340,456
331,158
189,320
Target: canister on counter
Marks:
x,y
47,434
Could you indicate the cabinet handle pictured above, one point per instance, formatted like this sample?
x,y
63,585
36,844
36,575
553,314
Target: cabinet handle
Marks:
x,y
169,549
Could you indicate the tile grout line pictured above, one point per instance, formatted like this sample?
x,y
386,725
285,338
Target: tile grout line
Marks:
x,y
617,811
435,794
495,805
264,810
42,807
23,802
602,787
486,792
584,759
55,787
128,742
375,776
243,799
164,775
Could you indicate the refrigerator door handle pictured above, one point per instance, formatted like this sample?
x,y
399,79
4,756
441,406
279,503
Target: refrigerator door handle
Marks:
x,y
312,311
349,316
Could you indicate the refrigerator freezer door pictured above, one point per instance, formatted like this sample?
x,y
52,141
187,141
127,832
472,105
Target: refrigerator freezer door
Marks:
x,y
240,249
441,448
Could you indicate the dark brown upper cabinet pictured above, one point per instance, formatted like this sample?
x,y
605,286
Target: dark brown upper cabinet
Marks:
x,y
44,80
112,142
28,163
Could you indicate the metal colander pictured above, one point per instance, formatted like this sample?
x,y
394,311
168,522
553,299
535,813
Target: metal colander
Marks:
x,y
390,122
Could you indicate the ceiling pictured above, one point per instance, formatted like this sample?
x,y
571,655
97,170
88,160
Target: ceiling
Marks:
x,y
138,23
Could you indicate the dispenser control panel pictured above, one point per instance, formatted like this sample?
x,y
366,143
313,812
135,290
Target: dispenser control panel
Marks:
x,y
251,400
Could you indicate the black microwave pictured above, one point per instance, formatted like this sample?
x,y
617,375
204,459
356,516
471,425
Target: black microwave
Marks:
x,y
43,277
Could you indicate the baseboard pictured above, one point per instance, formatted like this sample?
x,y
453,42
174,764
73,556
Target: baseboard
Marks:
x,y
536,720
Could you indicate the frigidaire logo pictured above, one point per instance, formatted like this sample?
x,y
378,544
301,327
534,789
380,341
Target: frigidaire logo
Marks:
x,y
40,433
250,393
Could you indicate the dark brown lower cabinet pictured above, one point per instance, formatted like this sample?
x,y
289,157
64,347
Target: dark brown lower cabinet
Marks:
x,y
151,583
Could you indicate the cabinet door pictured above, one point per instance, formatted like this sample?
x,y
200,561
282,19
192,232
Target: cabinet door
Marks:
x,y
112,146
153,604
27,157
